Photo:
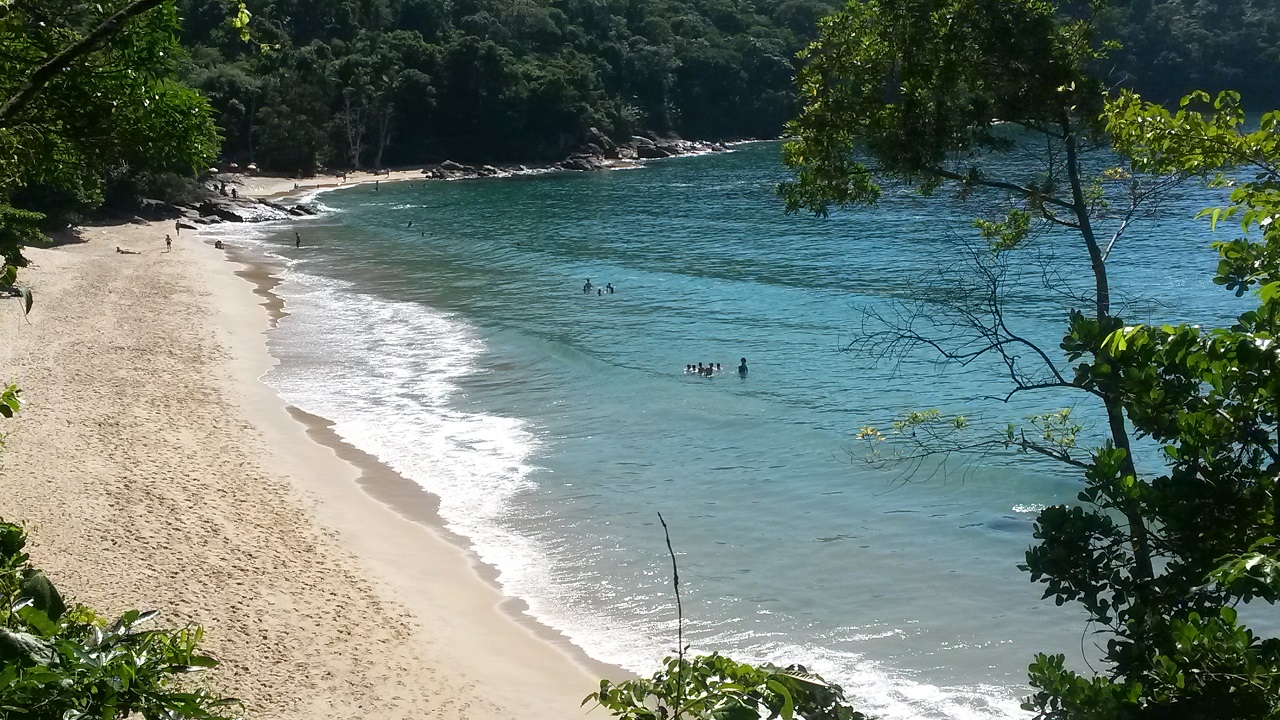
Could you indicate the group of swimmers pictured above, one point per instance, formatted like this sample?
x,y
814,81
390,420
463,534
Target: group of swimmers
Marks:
x,y
711,369
586,289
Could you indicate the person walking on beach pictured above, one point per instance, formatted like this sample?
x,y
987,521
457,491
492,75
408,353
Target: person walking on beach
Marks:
x,y
177,228
168,243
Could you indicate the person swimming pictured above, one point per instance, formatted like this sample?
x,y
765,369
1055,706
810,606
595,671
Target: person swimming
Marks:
x,y
586,289
742,368
608,287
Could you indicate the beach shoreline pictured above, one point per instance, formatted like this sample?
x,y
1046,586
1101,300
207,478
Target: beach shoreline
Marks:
x,y
326,584
277,188
396,492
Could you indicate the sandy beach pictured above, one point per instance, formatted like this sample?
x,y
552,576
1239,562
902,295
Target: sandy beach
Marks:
x,y
155,470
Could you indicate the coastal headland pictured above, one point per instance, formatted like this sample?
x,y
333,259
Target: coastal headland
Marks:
x,y
155,470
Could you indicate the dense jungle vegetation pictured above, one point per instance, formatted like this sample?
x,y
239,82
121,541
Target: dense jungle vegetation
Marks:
x,y
368,83
360,83
1171,47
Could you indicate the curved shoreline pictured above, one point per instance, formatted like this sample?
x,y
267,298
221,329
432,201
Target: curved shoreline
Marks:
x,y
156,470
401,495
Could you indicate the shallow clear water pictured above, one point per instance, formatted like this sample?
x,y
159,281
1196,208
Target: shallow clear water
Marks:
x,y
555,425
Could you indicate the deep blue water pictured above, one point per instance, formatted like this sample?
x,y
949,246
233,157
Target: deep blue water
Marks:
x,y
555,425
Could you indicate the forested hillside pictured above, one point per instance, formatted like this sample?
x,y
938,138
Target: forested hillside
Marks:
x,y
1174,46
366,83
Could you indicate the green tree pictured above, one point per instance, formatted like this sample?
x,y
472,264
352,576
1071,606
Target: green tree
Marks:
x,y
87,95
929,94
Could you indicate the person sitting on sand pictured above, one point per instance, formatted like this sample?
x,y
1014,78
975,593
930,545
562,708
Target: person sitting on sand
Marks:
x,y
742,368
126,252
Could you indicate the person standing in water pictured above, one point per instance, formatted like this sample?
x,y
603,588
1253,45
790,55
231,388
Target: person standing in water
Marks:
x,y
297,239
742,368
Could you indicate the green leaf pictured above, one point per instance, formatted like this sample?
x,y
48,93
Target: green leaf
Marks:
x,y
37,619
47,599
24,648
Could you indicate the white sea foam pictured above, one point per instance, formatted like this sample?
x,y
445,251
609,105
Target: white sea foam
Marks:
x,y
388,374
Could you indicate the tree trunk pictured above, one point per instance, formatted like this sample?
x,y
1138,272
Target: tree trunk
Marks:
x,y
354,129
1141,544
384,133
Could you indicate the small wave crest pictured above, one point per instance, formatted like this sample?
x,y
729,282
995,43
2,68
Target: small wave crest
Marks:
x,y
387,375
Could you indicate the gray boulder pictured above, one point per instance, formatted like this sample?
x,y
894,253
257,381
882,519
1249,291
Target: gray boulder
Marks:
x,y
582,164
157,210
222,210
651,152
599,139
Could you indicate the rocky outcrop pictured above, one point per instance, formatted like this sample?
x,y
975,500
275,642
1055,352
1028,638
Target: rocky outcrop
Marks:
x,y
651,152
246,210
582,163
157,210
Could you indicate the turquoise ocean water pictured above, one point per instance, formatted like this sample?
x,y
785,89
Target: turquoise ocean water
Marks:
x,y
554,425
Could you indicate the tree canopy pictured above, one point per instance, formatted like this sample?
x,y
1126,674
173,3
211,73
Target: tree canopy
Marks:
x,y
382,82
1169,48
88,99
1159,554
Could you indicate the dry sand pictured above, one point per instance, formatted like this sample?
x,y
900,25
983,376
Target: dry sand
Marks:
x,y
268,186
155,470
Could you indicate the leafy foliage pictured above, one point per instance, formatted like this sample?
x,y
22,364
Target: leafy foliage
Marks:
x,y
393,83
713,687
1208,397
1158,557
86,96
1167,48
63,663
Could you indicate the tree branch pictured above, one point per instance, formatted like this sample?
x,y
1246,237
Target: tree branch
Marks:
x,y
75,51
